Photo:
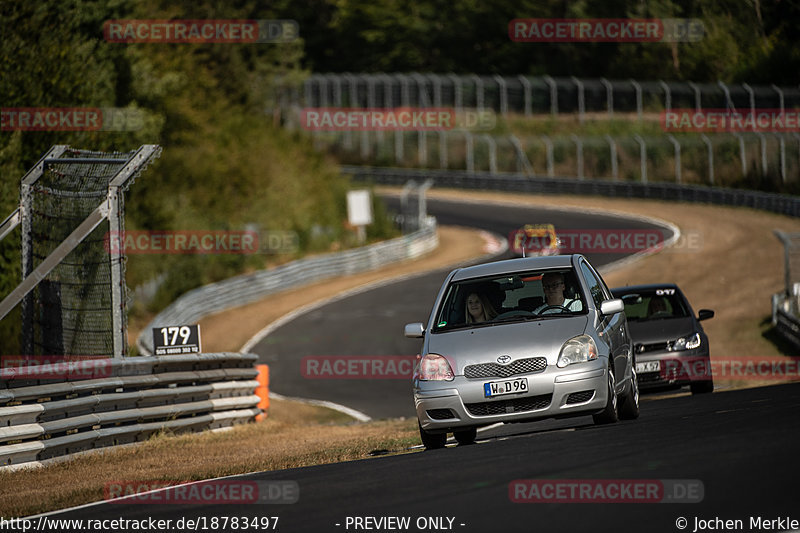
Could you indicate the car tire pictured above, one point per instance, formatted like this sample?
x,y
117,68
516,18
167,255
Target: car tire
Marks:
x,y
609,414
432,441
629,407
466,436
702,387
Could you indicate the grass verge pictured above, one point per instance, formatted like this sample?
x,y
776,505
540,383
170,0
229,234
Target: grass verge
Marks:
x,y
294,435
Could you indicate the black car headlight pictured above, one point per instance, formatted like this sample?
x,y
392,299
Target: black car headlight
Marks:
x,y
690,342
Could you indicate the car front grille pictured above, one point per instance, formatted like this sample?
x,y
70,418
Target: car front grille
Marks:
x,y
440,414
652,347
495,370
580,397
518,405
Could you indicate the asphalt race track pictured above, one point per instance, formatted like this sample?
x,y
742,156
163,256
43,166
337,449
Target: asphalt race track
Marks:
x,y
733,454
739,445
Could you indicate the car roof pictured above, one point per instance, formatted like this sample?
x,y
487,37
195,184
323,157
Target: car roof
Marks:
x,y
645,287
514,265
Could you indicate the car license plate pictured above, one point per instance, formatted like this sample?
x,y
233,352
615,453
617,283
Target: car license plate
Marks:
x,y
648,366
509,386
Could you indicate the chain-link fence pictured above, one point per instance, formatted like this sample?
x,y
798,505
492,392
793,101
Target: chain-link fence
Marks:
x,y
530,95
733,158
719,159
73,290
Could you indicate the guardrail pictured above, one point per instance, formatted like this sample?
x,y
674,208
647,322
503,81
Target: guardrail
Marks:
x,y
776,203
239,290
107,402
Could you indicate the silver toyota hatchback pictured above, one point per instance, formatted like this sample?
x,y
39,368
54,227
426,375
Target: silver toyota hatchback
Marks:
x,y
522,340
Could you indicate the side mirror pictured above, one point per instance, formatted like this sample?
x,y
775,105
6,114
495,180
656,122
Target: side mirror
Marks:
x,y
612,307
414,331
705,314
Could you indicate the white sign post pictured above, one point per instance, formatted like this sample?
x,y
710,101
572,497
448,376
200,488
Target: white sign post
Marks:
x,y
359,212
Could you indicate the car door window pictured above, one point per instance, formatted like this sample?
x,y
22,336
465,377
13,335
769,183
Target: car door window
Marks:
x,y
595,287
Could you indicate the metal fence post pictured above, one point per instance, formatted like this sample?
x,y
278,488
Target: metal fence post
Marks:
x,y
780,95
782,148
581,100
478,91
492,145
677,147
458,102
697,102
642,157
501,86
638,89
553,94
728,102
443,149
470,151
526,89
763,140
609,96
579,154
710,157
742,153
612,145
752,96
371,91
667,96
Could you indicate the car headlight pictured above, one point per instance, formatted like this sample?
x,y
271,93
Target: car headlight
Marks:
x,y
689,342
578,349
434,367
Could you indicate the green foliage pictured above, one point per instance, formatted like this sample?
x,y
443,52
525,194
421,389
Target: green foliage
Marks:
x,y
745,41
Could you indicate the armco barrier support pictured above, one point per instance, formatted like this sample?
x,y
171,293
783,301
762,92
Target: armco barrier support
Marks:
x,y
262,391
120,401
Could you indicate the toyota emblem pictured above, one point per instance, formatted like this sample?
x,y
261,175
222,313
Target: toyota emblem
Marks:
x,y
504,359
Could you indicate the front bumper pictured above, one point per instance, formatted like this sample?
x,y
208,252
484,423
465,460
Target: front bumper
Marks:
x,y
675,368
578,389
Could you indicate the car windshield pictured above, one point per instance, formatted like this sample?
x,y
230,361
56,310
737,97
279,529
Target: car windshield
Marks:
x,y
654,304
510,298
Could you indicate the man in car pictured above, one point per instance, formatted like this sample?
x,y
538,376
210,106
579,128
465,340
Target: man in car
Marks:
x,y
553,286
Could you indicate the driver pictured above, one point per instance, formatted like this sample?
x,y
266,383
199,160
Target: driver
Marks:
x,y
553,285
478,309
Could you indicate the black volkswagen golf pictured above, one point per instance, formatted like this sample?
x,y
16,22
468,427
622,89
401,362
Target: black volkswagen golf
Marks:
x,y
670,346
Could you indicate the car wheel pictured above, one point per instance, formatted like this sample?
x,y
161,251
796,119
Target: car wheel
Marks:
x,y
609,414
466,436
432,441
629,407
702,387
